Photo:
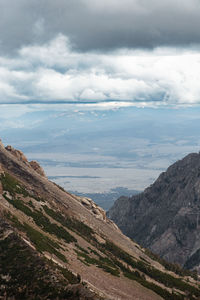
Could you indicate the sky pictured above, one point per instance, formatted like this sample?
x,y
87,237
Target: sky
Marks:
x,y
108,88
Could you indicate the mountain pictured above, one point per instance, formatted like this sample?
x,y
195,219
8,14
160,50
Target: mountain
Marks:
x,y
165,217
55,245
107,199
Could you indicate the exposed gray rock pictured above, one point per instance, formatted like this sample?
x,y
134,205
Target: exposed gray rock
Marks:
x,y
35,166
20,156
17,153
1,144
166,216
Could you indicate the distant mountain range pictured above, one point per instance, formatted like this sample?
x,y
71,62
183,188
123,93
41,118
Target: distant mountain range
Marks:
x,y
166,216
55,245
107,199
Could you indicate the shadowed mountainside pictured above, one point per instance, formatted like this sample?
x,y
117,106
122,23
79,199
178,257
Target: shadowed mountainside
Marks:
x,y
165,217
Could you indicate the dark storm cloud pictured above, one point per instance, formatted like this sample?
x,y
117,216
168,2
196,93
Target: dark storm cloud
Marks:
x,y
100,25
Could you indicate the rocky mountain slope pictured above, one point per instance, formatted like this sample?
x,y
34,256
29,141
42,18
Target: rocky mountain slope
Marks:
x,y
54,245
165,217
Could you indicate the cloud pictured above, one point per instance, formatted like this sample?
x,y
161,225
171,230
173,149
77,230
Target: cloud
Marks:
x,y
100,25
55,72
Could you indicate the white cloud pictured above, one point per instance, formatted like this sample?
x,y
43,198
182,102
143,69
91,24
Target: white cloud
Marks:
x,y
90,94
54,72
7,90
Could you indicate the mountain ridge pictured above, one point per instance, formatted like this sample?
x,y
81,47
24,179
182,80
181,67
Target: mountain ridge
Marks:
x,y
75,243
165,217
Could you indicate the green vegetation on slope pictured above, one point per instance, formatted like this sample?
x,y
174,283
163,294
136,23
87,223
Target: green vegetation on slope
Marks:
x,y
172,267
73,224
118,261
42,221
101,262
162,277
25,275
11,185
41,242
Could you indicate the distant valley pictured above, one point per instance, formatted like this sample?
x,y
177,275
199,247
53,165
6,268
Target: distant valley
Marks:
x,y
103,199
107,199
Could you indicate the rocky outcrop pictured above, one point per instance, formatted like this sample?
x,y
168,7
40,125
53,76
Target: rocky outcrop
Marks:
x,y
93,207
35,166
166,216
1,144
20,156
96,210
17,153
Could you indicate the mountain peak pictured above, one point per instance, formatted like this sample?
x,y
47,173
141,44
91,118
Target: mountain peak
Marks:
x,y
165,217
21,157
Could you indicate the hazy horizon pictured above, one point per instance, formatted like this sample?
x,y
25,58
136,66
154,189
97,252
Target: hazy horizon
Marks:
x,y
92,150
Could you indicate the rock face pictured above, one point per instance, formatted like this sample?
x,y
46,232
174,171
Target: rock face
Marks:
x,y
17,153
20,156
1,144
35,166
93,207
166,216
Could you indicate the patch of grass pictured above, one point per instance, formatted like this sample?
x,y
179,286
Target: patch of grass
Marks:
x,y
108,269
160,291
164,278
39,199
103,263
88,259
82,249
170,266
30,203
140,278
30,276
69,275
147,262
42,242
73,224
83,261
11,185
14,221
136,276
94,252
52,228
19,204
42,221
